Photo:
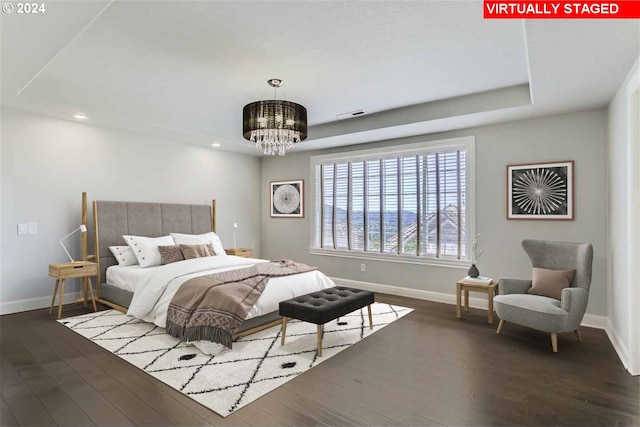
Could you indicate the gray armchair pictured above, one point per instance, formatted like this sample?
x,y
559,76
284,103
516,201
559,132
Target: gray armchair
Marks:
x,y
514,304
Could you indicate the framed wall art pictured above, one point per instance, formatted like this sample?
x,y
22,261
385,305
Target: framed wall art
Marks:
x,y
287,199
540,191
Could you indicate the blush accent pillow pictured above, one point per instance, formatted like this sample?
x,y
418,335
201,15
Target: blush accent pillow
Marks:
x,y
550,283
171,254
200,239
146,248
124,255
197,251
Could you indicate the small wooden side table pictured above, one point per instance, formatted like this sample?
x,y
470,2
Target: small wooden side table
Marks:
x,y
491,290
243,252
71,270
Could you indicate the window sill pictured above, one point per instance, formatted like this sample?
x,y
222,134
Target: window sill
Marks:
x,y
405,259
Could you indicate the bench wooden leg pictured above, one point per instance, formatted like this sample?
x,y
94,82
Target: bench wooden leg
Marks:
x,y
319,340
370,317
284,329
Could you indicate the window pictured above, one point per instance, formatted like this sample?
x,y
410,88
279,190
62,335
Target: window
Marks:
x,y
409,203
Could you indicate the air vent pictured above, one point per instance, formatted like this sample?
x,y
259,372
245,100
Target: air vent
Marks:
x,y
351,114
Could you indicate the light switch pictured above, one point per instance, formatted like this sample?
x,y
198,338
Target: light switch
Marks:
x,y
235,225
33,228
23,228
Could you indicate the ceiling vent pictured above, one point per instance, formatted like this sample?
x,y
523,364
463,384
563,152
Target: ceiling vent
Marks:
x,y
351,114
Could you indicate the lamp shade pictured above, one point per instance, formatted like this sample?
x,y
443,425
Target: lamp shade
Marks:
x,y
274,125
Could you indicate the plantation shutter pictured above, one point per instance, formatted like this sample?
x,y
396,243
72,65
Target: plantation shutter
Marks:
x,y
409,205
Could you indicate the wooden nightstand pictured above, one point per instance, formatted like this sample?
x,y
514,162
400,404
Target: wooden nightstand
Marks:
x,y
71,270
490,289
243,252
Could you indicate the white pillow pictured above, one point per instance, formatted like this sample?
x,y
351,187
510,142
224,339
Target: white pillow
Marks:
x,y
146,248
124,255
200,239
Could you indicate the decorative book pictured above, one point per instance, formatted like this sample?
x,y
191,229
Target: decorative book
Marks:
x,y
479,279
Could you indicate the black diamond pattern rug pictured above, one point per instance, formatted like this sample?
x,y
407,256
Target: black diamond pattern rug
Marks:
x,y
224,383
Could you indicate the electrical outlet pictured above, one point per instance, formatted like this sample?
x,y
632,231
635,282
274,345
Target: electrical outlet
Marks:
x,y
23,228
33,228
362,267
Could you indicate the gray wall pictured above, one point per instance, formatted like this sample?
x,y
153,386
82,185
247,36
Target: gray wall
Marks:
x,y
578,136
623,291
47,163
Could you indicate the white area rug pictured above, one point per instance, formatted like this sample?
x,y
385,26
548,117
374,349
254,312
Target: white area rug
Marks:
x,y
225,383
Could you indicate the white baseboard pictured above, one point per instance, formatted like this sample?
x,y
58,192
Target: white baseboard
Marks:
x,y
618,344
35,303
589,320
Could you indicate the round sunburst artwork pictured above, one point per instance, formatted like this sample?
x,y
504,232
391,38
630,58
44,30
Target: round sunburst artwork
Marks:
x,y
286,199
539,191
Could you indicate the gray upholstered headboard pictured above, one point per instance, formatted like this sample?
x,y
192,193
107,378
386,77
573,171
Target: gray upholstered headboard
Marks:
x,y
113,219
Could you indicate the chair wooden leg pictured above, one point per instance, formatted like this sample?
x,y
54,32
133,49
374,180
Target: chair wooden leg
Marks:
x,y
554,342
500,325
319,340
578,334
284,330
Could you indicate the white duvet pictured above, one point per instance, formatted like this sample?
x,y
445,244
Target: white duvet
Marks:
x,y
154,292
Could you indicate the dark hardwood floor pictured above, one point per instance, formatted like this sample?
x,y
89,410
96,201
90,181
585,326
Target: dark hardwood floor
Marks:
x,y
426,369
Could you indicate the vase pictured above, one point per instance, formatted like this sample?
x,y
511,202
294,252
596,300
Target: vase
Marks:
x,y
473,271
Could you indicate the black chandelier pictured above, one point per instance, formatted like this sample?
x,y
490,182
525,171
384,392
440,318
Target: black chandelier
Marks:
x,y
274,125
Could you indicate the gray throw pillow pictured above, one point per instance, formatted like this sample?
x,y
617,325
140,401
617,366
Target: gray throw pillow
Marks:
x,y
550,283
197,251
170,254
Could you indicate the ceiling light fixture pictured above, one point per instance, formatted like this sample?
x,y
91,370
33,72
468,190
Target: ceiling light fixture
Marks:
x,y
274,125
80,116
215,144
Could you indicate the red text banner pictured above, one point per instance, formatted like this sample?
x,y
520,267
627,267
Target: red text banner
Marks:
x,y
626,9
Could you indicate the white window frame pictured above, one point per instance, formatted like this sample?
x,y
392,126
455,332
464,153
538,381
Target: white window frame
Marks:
x,y
467,143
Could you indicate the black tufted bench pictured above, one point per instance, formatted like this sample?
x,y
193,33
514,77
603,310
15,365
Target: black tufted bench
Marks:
x,y
324,306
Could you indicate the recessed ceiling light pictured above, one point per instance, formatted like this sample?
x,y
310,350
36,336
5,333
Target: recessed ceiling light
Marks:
x,y
80,116
215,144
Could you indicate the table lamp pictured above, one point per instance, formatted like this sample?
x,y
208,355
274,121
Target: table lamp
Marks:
x,y
82,229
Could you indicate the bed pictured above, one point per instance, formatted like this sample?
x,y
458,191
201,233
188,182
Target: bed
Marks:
x,y
117,285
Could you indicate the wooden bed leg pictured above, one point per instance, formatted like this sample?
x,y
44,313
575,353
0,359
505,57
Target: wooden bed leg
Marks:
x,y
370,317
284,329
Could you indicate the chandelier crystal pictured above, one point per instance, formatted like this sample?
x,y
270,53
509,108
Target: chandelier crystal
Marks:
x,y
274,125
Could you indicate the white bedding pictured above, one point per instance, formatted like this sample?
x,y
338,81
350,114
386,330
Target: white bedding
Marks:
x,y
154,287
128,277
154,290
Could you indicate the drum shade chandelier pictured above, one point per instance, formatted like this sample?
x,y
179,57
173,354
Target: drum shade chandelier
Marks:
x,y
274,125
